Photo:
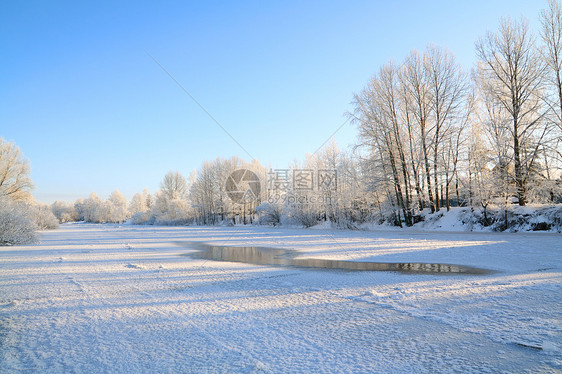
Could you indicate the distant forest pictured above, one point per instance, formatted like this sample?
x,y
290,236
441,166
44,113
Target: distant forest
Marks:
x,y
431,135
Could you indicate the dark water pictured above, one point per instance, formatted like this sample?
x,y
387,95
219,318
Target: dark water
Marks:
x,y
282,257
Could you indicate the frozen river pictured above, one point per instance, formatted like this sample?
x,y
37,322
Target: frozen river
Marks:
x,y
108,298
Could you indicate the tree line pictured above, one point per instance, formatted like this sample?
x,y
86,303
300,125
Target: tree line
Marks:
x,y
431,135
20,215
436,135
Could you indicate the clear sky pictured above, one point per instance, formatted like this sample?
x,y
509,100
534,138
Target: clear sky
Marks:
x,y
92,111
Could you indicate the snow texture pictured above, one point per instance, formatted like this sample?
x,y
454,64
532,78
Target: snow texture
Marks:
x,y
110,298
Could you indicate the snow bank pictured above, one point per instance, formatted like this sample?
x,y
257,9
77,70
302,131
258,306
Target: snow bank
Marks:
x,y
519,219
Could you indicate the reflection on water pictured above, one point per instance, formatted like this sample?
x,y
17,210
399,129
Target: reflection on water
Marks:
x,y
282,257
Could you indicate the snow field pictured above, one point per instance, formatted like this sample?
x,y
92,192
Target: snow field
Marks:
x,y
109,298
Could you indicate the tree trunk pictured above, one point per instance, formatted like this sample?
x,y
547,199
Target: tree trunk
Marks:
x,y
428,174
457,189
519,179
447,182
435,165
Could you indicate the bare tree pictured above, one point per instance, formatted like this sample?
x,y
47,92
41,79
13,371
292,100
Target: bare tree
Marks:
x,y
208,193
377,109
415,82
448,86
490,156
551,33
388,91
513,73
174,186
407,114
15,181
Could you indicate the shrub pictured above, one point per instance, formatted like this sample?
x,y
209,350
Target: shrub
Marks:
x,y
302,217
269,214
43,217
16,226
141,218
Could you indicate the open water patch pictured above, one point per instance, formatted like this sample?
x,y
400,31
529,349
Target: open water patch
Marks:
x,y
291,258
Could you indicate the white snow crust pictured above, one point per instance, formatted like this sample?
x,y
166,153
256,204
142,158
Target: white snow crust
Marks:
x,y
120,298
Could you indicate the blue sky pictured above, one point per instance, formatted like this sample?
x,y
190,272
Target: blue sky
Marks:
x,y
90,109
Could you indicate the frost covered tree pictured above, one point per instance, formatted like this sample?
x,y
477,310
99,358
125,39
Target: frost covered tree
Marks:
x,y
208,194
139,207
512,72
147,197
416,88
43,216
15,181
117,206
168,207
178,213
16,225
64,212
167,212
448,88
338,190
380,129
487,157
551,34
411,118
174,186
137,204
79,209
94,209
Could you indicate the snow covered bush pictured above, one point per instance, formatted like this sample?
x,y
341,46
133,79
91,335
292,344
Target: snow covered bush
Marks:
x,y
64,212
96,210
535,218
172,212
141,218
546,192
16,226
508,218
346,220
19,221
166,210
269,214
43,217
140,203
117,208
79,210
302,216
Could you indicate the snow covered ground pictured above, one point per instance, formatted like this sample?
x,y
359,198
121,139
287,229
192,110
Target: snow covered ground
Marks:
x,y
108,298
